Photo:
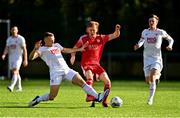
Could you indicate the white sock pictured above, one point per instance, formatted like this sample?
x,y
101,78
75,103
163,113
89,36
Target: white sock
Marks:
x,y
152,89
18,84
44,97
90,91
13,81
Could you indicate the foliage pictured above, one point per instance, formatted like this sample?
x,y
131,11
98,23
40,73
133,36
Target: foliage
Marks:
x,y
67,18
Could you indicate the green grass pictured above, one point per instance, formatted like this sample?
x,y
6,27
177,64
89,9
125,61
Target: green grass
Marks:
x,y
70,101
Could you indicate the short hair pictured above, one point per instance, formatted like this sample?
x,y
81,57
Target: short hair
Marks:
x,y
48,34
93,23
14,27
154,16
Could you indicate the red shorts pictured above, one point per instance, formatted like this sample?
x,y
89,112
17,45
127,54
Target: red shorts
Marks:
x,y
95,68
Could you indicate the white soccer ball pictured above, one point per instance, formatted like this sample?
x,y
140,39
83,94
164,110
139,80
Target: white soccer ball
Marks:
x,y
116,102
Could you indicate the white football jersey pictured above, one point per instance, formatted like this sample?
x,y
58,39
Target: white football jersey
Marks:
x,y
152,41
15,46
53,58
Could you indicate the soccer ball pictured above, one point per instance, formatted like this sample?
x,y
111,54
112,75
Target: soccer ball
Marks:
x,y
116,102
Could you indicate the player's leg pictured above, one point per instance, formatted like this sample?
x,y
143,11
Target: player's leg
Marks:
x,y
89,81
152,87
18,83
45,97
107,85
13,80
54,88
147,71
155,73
78,80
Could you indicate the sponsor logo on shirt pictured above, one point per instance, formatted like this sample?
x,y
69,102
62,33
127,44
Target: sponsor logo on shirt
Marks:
x,y
13,46
93,44
55,51
151,40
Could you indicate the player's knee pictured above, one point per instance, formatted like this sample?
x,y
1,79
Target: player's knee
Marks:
x,y
155,75
148,80
104,77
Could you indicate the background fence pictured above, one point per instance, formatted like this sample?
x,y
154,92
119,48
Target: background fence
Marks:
x,y
118,65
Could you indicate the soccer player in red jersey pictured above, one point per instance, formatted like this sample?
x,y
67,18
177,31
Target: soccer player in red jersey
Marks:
x,y
90,60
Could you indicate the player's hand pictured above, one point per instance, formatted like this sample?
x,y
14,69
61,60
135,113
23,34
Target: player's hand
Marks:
x,y
72,59
168,48
25,63
117,27
3,57
84,46
38,44
136,47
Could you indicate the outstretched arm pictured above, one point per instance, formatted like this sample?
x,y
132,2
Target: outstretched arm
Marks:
x,y
73,56
116,33
73,50
34,54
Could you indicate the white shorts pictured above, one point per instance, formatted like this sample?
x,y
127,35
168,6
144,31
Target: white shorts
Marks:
x,y
15,64
148,69
57,77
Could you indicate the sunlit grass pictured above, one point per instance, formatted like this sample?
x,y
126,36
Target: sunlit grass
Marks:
x,y
70,101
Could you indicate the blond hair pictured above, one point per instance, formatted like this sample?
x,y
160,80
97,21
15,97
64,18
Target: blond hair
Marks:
x,y
154,16
48,34
93,23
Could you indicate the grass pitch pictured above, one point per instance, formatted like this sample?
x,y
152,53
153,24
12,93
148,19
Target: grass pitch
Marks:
x,y
70,101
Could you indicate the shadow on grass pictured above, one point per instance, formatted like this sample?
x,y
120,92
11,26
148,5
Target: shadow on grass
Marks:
x,y
58,105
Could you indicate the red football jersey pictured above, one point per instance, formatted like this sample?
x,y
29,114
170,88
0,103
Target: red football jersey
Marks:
x,y
93,51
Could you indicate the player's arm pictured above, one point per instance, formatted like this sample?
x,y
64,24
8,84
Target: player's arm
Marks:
x,y
5,52
139,44
73,50
116,33
171,41
34,53
73,56
25,63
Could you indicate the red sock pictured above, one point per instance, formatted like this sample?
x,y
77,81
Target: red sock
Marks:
x,y
89,98
89,81
106,86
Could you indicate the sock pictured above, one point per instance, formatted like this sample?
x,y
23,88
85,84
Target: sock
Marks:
x,y
18,84
89,90
44,97
106,86
89,81
13,81
152,89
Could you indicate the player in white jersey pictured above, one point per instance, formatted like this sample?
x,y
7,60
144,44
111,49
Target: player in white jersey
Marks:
x,y
152,39
16,49
59,70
